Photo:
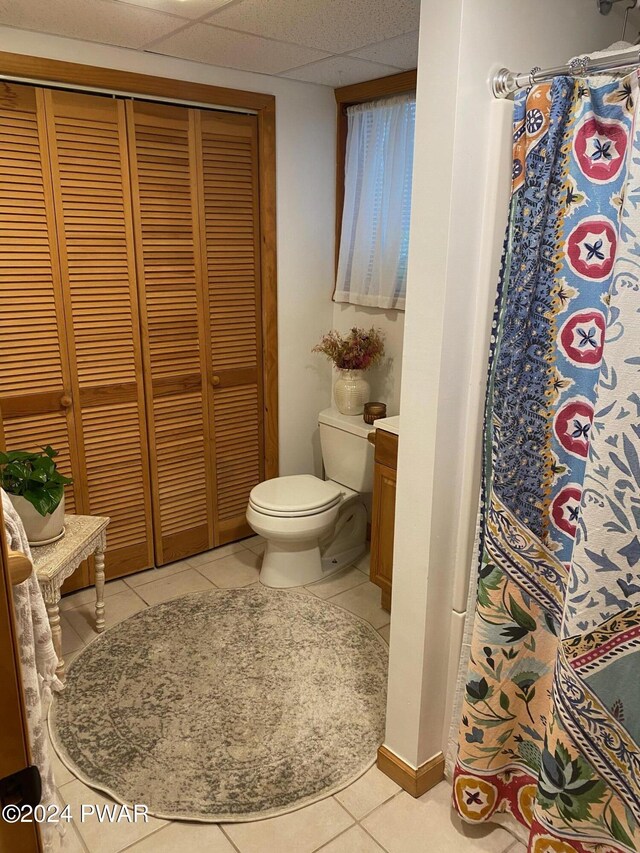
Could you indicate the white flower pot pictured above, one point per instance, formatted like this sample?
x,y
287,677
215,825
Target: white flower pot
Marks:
x,y
351,392
39,529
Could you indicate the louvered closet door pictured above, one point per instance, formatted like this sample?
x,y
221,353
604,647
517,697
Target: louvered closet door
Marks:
x,y
88,146
229,205
162,145
35,389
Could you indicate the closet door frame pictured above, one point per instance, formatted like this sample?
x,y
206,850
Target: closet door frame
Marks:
x,y
34,68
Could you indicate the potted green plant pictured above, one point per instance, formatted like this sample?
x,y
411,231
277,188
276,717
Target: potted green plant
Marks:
x,y
36,490
352,354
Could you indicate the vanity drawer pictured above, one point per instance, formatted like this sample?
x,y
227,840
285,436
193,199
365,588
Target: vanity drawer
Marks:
x,y
386,448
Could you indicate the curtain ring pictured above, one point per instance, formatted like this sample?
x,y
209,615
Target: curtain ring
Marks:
x,y
535,70
579,66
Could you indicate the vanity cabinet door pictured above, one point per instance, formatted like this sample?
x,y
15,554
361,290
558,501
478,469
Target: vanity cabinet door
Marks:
x,y
383,516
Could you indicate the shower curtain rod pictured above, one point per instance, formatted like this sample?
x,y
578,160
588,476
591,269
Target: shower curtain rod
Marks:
x,y
505,82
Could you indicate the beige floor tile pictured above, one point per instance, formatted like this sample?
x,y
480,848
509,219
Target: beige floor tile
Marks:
x,y
68,659
354,840
252,541
103,837
215,554
384,632
428,824
364,601
303,590
517,848
180,837
88,595
301,831
71,641
339,582
367,793
239,569
150,575
258,548
61,774
180,584
363,563
299,589
71,842
117,608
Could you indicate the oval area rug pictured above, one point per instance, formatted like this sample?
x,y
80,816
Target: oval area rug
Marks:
x,y
225,705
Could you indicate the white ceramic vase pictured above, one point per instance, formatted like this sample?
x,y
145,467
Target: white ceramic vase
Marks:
x,y
39,529
351,391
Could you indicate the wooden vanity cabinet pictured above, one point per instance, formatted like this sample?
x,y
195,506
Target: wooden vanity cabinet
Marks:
x,y
383,513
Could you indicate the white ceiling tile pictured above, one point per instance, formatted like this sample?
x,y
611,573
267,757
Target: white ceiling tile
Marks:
x,y
101,20
185,8
217,46
337,26
401,51
340,71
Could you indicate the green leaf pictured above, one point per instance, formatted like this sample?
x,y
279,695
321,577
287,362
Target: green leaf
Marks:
x,y
550,623
520,616
618,832
477,690
56,494
21,456
504,701
40,500
43,463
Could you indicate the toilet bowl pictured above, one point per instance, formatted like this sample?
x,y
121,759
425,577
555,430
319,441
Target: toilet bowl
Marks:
x,y
315,527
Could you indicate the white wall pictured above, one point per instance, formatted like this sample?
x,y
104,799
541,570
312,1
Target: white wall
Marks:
x,y
305,138
384,379
461,42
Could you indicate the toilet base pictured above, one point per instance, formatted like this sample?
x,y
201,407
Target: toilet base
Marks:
x,y
288,564
341,561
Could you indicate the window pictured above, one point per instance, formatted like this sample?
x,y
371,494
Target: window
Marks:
x,y
374,241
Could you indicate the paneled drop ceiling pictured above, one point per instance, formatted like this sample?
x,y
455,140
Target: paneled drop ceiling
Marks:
x,y
331,42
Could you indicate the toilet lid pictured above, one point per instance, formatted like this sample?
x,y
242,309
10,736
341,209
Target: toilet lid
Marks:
x,y
300,494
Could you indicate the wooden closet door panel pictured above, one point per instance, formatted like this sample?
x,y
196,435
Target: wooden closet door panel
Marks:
x,y
87,138
162,143
228,164
35,385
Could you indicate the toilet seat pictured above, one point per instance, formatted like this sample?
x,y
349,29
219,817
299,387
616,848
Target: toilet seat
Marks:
x,y
294,497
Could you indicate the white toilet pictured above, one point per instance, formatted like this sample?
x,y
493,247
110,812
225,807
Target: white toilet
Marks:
x,y
315,527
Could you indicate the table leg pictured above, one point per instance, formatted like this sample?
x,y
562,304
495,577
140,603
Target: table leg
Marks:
x,y
99,567
53,612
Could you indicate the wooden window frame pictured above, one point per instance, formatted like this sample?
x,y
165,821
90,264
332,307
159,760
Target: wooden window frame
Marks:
x,y
50,71
348,96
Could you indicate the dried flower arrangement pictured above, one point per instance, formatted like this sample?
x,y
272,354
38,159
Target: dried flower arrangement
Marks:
x,y
359,349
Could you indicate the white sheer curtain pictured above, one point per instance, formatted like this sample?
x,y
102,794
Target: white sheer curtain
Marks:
x,y
372,268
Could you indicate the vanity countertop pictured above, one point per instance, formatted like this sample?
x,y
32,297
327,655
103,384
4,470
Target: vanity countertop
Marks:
x,y
389,424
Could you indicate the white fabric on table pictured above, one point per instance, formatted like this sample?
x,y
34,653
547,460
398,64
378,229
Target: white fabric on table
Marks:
x,y
38,661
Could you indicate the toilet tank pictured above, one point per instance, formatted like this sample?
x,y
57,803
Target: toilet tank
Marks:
x,y
346,453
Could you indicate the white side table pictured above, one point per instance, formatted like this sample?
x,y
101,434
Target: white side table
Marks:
x,y
54,563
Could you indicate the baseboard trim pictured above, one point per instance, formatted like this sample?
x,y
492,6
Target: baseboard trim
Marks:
x,y
414,781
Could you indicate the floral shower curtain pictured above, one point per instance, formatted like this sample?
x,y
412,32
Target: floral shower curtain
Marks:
x,y
550,728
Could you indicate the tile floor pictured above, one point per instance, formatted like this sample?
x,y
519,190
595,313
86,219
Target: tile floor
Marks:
x,y
371,815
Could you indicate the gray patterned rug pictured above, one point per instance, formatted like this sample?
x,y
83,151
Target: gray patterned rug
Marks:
x,y
225,705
